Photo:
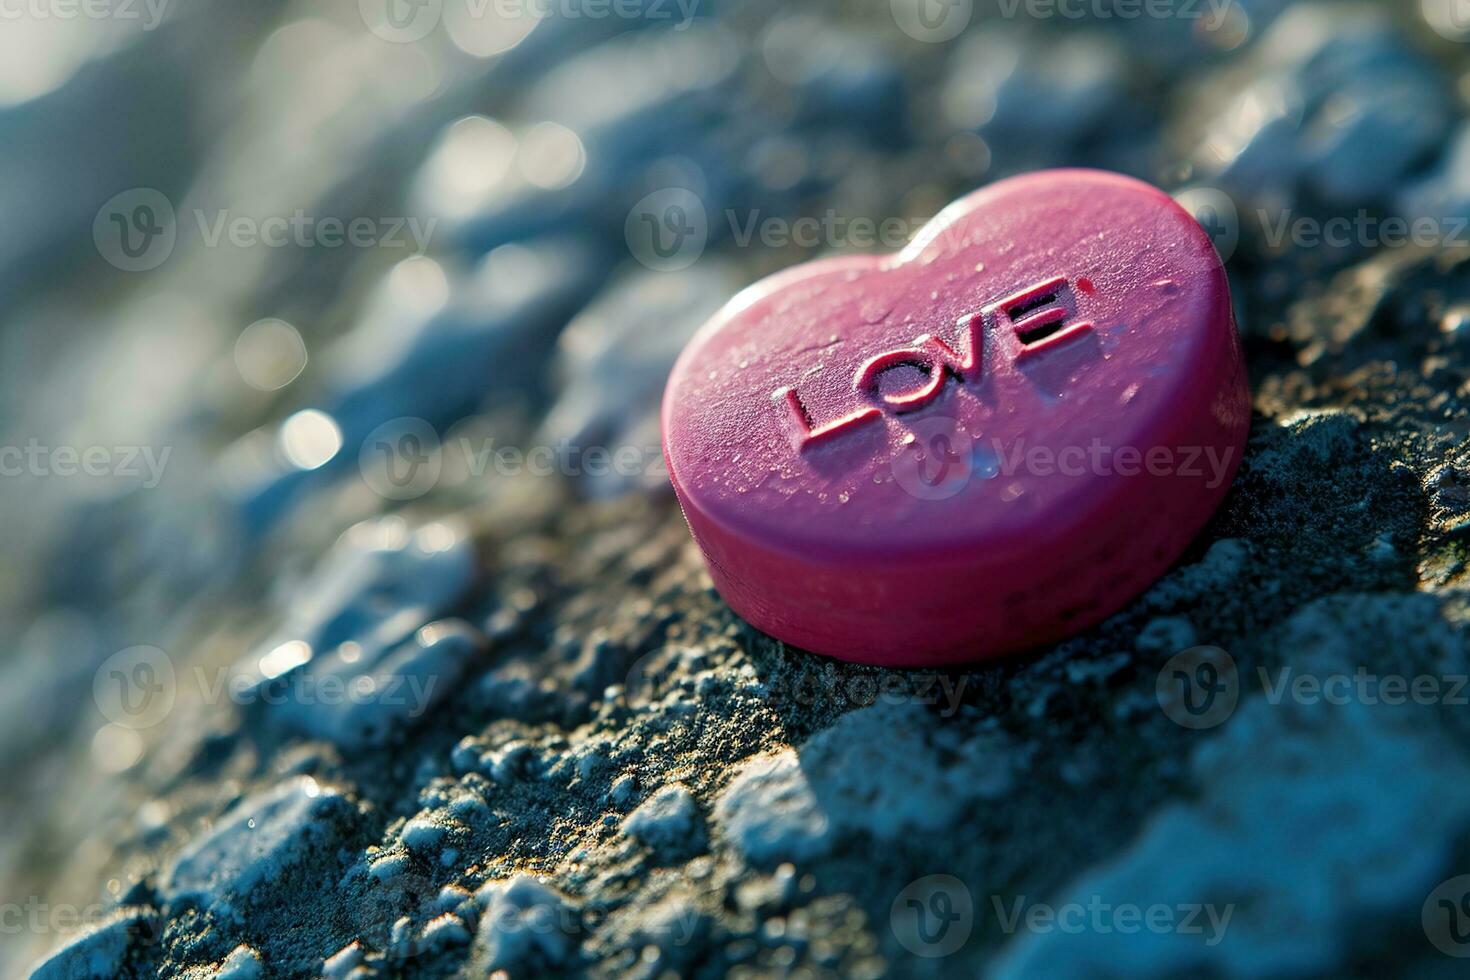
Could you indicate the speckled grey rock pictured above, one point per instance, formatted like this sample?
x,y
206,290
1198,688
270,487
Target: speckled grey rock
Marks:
x,y
101,951
611,775
527,926
668,820
874,772
247,854
1296,785
382,688
243,963
771,814
1333,96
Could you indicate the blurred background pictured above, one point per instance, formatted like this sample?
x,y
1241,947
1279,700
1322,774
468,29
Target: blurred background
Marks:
x,y
342,327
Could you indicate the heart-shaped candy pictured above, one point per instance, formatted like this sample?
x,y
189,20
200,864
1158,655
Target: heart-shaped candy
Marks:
x,y
986,442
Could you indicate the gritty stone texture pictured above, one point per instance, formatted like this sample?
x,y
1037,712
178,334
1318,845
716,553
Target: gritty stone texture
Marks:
x,y
873,773
1334,856
252,848
668,819
102,951
527,926
610,774
770,813
243,963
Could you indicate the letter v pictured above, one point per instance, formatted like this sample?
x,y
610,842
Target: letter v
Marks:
x,y
972,333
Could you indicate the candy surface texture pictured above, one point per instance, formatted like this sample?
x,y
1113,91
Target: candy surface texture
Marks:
x,y
984,443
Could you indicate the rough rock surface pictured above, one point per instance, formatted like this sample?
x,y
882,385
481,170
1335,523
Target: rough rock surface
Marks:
x,y
502,721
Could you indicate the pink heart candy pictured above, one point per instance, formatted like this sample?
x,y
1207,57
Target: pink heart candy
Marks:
x,y
987,442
